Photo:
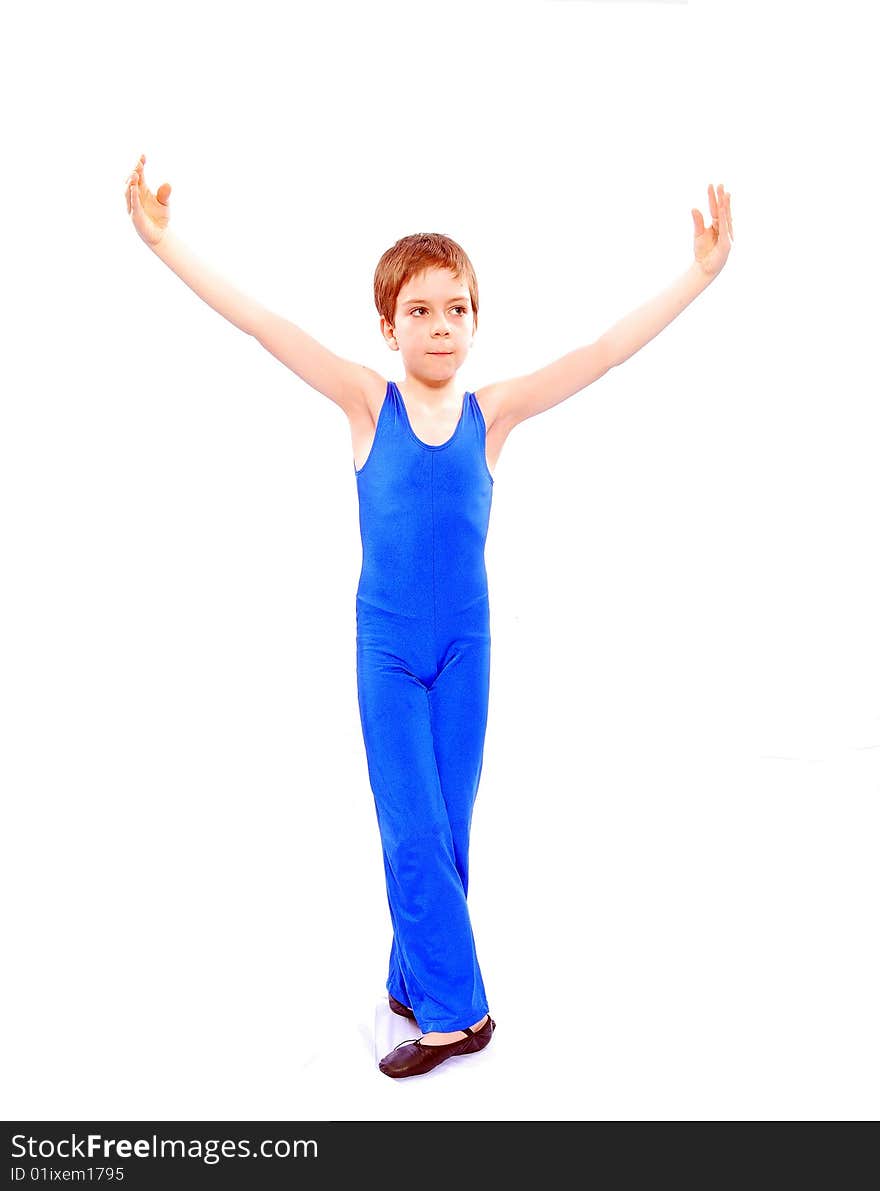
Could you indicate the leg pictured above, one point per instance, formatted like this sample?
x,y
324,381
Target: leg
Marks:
x,y
433,962
459,702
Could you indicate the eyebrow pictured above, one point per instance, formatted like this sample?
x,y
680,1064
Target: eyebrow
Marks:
x,y
409,301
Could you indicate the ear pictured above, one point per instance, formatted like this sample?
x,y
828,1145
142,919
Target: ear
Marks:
x,y
387,330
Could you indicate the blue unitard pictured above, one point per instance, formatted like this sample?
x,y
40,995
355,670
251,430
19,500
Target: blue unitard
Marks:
x,y
423,691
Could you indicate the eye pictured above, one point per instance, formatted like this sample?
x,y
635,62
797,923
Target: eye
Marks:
x,y
416,309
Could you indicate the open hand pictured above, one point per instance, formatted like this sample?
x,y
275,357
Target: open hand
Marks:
x,y
149,212
712,244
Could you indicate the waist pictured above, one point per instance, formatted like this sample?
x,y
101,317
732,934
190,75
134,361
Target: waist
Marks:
x,y
421,588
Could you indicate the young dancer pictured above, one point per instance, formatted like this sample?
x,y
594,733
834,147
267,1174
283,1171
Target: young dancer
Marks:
x,y
423,460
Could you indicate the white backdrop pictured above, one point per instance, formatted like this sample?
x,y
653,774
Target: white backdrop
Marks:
x,y
674,877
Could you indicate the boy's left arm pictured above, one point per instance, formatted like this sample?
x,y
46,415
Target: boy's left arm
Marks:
x,y
526,396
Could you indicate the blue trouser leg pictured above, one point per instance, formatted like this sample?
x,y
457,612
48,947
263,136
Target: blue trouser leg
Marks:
x,y
424,748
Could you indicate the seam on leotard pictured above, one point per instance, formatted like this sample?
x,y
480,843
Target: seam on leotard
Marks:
x,y
433,550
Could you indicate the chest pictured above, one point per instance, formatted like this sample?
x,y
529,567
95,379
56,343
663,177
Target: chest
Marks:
x,y
432,432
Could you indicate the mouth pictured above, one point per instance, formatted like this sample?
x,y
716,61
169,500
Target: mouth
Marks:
x,y
439,353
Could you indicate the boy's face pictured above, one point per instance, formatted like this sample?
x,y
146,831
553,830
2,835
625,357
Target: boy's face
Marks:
x,y
433,323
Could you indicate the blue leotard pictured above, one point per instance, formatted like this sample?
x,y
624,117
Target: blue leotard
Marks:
x,y
423,648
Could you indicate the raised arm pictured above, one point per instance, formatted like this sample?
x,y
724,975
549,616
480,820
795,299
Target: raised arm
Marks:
x,y
512,401
343,381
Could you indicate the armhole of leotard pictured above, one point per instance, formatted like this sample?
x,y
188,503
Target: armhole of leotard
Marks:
x,y
482,422
360,471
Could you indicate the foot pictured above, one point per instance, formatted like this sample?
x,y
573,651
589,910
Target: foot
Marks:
x,y
437,1038
399,1008
413,1058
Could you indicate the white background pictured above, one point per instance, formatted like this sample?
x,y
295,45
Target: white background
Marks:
x,y
674,853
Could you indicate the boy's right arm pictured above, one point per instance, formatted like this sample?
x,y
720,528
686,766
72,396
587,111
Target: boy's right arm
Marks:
x,y
343,381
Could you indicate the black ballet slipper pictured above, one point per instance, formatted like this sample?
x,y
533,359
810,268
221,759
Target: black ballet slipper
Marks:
x,y
412,1058
399,1008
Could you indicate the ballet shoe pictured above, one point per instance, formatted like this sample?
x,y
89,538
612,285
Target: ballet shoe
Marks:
x,y
412,1058
399,1008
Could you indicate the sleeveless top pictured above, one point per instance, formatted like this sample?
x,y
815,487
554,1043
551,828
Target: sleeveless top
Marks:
x,y
424,514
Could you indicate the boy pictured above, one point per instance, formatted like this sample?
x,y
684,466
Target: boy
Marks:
x,y
423,462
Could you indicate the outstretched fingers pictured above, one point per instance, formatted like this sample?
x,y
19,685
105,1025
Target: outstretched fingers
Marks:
x,y
722,220
133,182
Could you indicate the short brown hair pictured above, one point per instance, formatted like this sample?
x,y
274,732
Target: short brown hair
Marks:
x,y
408,257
